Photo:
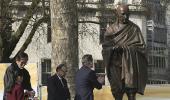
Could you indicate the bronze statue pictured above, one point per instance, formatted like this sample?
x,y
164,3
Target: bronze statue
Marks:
x,y
124,55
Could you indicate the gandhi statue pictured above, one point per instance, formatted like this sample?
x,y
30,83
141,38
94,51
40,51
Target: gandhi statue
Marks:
x,y
124,55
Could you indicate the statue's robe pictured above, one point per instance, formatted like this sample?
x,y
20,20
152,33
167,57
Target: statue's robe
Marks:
x,y
124,54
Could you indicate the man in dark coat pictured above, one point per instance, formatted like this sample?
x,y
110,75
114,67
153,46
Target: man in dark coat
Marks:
x,y
124,56
18,65
86,80
57,85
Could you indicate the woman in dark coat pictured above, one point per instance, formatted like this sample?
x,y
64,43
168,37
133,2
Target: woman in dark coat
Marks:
x,y
9,77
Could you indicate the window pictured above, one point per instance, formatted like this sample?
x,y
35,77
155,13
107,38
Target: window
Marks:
x,y
45,70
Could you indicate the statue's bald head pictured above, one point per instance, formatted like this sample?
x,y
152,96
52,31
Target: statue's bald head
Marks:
x,y
123,13
122,7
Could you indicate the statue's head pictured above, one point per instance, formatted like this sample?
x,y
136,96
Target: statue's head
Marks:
x,y
122,13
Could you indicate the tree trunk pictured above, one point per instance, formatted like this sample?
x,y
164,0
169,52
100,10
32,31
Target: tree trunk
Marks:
x,y
65,37
1,49
5,25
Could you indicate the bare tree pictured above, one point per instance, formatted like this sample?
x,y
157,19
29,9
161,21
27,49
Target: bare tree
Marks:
x,y
9,40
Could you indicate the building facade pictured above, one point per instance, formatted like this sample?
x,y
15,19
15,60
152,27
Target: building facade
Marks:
x,y
168,36
94,17
157,42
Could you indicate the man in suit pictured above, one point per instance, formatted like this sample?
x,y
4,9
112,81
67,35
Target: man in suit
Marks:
x,y
86,80
57,85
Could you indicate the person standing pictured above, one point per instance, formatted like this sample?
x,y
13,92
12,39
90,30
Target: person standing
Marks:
x,y
86,80
124,54
9,77
17,92
57,87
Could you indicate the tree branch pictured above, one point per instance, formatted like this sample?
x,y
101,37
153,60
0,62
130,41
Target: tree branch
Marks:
x,y
24,23
35,27
25,20
15,37
13,40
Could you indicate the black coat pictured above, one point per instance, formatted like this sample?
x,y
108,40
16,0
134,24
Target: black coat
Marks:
x,y
55,89
86,81
9,78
